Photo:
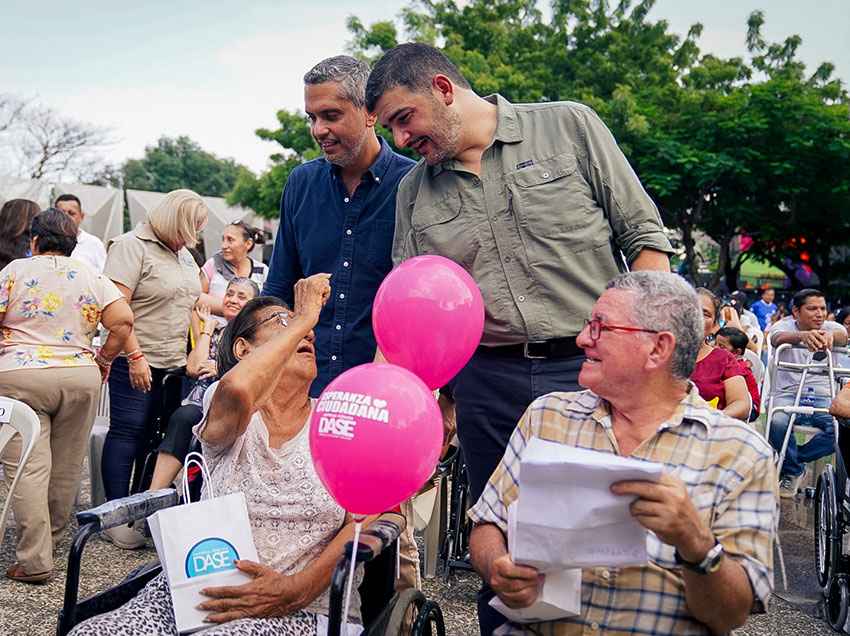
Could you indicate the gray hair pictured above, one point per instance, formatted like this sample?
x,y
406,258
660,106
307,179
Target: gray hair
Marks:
x,y
666,302
350,73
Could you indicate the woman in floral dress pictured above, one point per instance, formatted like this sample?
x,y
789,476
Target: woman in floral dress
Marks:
x,y
50,306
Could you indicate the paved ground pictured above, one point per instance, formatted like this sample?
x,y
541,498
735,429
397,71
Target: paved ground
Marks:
x,y
32,610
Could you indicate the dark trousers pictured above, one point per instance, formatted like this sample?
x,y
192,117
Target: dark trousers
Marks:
x,y
491,393
178,436
131,415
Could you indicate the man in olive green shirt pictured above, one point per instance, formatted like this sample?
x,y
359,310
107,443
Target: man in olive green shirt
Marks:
x,y
537,203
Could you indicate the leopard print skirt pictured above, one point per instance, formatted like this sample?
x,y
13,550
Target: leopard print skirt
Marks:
x,y
150,613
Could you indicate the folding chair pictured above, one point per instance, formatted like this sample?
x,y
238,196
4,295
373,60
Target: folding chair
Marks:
x,y
756,365
16,418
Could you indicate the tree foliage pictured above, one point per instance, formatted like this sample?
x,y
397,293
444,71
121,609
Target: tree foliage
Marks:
x,y
181,163
730,147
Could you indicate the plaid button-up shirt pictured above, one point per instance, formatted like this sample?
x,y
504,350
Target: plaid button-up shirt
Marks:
x,y
731,478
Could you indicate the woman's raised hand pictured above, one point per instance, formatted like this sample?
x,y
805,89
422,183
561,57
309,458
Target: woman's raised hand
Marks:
x,y
311,294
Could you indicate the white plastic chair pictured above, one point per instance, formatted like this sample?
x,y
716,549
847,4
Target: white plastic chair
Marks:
x,y
756,365
16,418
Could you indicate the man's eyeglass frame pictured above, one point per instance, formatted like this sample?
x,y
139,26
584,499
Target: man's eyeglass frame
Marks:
x,y
596,326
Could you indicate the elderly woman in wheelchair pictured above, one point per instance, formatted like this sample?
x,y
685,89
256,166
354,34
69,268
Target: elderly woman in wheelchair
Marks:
x,y
254,437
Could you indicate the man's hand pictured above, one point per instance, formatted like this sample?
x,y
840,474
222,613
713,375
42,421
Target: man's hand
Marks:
x,y
665,508
816,339
270,594
517,585
840,406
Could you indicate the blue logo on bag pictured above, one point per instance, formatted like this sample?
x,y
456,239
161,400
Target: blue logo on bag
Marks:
x,y
210,556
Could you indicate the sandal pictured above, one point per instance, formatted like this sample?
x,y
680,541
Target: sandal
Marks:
x,y
16,573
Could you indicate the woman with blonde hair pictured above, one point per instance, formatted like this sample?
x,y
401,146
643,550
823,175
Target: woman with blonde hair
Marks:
x,y
153,268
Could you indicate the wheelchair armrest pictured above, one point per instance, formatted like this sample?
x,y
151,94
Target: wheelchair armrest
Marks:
x,y
128,509
381,533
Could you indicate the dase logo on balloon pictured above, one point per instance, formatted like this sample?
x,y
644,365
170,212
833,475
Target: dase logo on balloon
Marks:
x,y
210,556
339,408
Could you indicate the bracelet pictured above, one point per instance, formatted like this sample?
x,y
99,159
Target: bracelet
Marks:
x,y
135,356
134,353
101,361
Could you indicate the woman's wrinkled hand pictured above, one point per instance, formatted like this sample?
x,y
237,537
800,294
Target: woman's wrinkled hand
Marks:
x,y
311,294
269,594
208,370
140,374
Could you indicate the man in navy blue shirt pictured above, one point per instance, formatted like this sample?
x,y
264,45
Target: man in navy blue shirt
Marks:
x,y
337,215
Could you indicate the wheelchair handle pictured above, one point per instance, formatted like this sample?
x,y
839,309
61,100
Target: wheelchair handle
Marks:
x,y
381,534
127,509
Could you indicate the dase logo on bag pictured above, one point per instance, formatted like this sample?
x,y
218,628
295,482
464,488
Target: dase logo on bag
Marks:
x,y
210,556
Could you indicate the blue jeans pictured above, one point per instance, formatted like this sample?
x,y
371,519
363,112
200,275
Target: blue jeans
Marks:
x,y
130,420
491,393
821,445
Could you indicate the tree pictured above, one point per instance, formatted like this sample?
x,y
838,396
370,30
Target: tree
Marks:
x,y
181,163
728,147
263,193
41,143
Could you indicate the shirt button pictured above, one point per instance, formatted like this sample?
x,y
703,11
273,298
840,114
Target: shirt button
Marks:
x,y
545,175
521,299
476,181
348,232
333,357
345,263
338,327
507,259
342,295
594,626
378,179
346,199
606,575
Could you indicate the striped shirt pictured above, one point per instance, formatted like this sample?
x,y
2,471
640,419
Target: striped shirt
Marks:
x,y
730,475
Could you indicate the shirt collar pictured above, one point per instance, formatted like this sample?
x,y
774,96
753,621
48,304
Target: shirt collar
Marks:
x,y
378,168
692,408
145,232
508,129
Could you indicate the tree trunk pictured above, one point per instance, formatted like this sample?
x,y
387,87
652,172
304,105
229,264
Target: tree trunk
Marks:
x,y
691,268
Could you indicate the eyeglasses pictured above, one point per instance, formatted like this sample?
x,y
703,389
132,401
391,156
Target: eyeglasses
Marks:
x,y
597,327
282,318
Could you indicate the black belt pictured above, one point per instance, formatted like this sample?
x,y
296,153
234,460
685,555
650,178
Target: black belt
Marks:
x,y
557,348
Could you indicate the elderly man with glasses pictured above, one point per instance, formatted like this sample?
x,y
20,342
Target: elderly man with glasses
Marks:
x,y
711,515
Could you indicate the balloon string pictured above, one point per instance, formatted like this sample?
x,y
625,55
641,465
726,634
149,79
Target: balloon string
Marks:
x,y
348,587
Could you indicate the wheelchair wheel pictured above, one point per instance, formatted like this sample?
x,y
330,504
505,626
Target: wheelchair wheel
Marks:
x,y
827,547
837,601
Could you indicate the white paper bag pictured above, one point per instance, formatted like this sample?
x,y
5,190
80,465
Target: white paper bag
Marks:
x,y
198,545
559,597
567,516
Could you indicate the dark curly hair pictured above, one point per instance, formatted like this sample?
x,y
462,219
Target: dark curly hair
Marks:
x,y
54,231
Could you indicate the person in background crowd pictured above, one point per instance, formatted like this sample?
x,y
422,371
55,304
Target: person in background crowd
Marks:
x,y
201,365
337,215
717,374
736,342
764,307
89,248
16,216
50,306
152,267
808,331
780,313
842,317
711,515
233,261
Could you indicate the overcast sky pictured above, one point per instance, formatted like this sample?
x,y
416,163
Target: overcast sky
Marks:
x,y
217,70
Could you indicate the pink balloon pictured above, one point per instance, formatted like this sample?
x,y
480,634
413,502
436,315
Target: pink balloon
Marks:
x,y
375,437
428,317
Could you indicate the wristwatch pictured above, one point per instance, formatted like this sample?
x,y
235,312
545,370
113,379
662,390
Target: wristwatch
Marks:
x,y
709,565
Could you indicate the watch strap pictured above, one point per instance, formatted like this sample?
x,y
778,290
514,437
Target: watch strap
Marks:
x,y
709,564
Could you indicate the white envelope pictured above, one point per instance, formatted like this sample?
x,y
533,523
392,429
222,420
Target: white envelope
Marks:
x,y
567,516
559,597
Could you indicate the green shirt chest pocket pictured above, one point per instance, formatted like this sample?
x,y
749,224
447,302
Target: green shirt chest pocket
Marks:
x,y
442,228
553,200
